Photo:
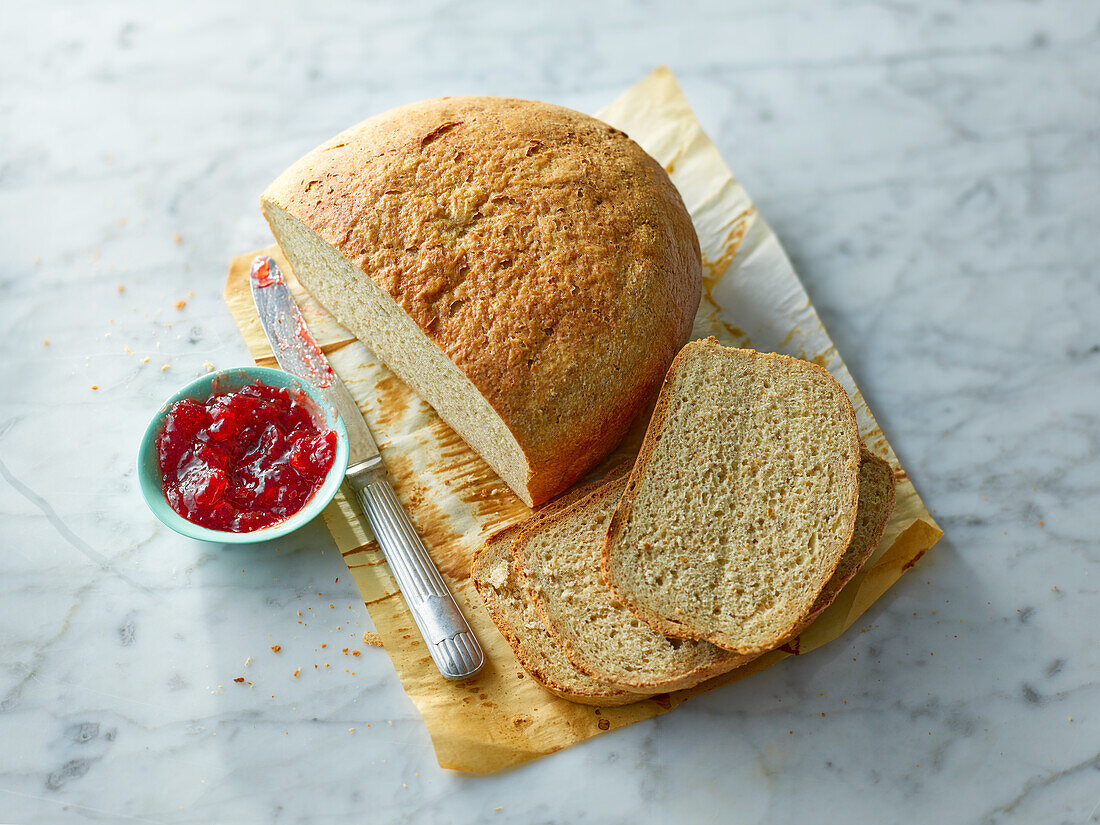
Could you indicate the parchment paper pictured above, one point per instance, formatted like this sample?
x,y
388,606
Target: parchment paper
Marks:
x,y
751,297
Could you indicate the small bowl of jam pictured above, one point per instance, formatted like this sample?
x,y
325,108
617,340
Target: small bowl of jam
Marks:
x,y
242,455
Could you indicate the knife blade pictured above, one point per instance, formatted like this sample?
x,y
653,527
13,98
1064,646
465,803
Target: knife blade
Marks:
x,y
451,642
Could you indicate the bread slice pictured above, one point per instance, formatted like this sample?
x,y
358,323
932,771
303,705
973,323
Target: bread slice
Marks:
x,y
528,270
558,559
742,500
532,645
515,617
876,503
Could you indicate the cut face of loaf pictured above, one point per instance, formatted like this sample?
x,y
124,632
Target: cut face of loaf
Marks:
x,y
515,617
742,501
528,270
375,318
558,559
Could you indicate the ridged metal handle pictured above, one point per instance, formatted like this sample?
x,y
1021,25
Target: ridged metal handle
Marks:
x,y
450,640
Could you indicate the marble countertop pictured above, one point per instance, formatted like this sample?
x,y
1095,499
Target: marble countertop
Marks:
x,y
933,170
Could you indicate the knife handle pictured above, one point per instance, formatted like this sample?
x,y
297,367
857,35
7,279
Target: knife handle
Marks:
x,y
450,640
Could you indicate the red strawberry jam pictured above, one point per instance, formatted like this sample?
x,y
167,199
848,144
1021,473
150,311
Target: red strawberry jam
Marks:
x,y
245,459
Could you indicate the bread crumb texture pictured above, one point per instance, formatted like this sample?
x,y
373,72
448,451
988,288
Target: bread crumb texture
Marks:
x,y
559,561
515,616
742,501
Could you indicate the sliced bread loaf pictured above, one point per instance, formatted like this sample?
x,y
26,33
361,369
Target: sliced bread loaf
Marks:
x,y
558,559
515,617
742,501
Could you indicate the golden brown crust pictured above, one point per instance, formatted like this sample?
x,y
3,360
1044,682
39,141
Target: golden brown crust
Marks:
x,y
542,250
623,511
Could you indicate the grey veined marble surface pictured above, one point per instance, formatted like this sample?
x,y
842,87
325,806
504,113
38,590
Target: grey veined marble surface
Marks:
x,y
933,170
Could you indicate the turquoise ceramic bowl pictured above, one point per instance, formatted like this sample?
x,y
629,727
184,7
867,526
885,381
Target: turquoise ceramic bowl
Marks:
x,y
201,389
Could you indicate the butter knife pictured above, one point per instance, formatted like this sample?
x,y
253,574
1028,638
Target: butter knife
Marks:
x,y
450,640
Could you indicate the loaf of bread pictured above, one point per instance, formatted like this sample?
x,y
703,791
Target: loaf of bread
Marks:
x,y
741,502
514,615
558,559
528,270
